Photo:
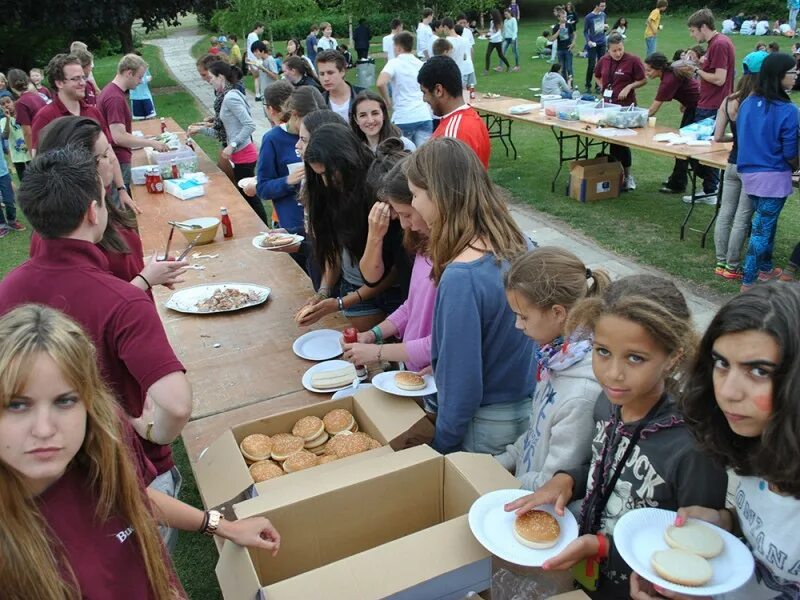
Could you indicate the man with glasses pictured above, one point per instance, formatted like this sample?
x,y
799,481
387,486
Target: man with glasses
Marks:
x,y
66,77
113,105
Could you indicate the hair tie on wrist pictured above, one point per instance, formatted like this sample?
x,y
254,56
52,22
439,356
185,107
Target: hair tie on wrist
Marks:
x,y
588,273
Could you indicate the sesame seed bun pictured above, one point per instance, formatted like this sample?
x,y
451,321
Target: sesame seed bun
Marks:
x,y
338,420
537,529
317,441
327,458
308,428
681,567
299,461
319,450
284,445
349,445
695,538
256,447
264,470
408,380
373,444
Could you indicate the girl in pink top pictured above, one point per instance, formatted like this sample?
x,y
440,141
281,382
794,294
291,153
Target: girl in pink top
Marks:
x,y
413,321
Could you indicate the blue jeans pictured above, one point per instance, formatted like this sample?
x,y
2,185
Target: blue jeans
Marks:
x,y
709,175
513,43
762,237
565,60
593,55
7,193
650,44
419,132
793,18
495,426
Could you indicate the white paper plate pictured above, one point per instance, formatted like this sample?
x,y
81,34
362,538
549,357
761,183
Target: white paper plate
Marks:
x,y
260,237
244,182
522,109
493,527
385,383
328,365
640,532
186,300
322,344
347,392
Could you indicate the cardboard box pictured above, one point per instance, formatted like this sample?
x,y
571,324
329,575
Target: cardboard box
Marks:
x,y
595,179
223,477
394,527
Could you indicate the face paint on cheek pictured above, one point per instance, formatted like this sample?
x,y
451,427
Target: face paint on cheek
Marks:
x,y
763,403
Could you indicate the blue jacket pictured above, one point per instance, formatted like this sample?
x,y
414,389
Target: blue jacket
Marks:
x,y
277,151
766,135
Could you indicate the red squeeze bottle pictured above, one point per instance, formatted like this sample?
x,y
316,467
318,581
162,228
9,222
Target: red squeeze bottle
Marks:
x,y
227,227
351,337
163,125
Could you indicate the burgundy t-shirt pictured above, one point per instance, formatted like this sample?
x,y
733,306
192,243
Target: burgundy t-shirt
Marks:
x,y
720,55
132,347
618,74
57,109
104,555
45,93
113,103
685,90
91,94
121,265
27,106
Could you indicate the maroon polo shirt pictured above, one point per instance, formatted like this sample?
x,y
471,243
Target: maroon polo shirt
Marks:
x,y
45,93
57,109
720,54
113,104
685,90
27,106
618,74
103,555
91,94
132,347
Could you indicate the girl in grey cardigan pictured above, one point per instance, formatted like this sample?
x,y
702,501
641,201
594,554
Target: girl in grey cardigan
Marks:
x,y
238,126
542,286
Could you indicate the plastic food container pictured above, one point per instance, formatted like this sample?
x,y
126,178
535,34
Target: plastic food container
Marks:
x,y
596,113
566,110
627,118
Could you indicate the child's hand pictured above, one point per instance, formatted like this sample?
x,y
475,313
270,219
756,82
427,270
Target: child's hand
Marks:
x,y
583,547
641,589
557,491
709,515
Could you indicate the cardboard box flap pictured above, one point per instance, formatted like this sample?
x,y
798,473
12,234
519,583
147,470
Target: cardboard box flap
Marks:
x,y
394,416
285,491
414,559
468,476
236,574
221,473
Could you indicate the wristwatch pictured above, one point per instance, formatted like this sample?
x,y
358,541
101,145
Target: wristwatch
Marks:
x,y
696,70
213,518
234,145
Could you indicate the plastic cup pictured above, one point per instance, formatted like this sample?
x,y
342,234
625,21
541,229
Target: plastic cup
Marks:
x,y
651,122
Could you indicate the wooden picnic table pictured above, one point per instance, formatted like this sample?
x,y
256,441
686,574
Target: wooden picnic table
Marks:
x,y
244,357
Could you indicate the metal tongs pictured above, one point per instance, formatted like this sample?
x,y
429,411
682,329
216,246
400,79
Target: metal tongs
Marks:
x,y
183,254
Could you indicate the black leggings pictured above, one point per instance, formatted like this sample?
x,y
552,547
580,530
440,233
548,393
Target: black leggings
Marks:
x,y
499,47
240,171
622,154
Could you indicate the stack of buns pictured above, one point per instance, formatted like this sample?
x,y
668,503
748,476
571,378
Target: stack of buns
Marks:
x,y
334,378
313,441
685,563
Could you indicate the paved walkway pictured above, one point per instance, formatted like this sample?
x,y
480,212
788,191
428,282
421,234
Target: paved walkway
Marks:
x,y
541,227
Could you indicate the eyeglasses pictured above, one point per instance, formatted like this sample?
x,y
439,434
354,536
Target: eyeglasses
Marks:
x,y
792,72
78,79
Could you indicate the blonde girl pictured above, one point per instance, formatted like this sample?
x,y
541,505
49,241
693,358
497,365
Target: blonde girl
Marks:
x,y
77,521
642,451
484,367
542,287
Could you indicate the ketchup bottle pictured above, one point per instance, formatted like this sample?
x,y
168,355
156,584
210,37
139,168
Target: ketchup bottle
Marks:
x,y
175,173
351,337
163,125
227,227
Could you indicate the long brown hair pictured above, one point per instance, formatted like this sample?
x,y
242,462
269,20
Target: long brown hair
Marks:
x,y
388,130
469,206
394,189
30,556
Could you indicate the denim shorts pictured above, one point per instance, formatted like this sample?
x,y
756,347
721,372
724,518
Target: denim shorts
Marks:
x,y
170,484
497,425
386,302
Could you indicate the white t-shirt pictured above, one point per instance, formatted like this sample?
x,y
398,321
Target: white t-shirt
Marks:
x,y
747,27
467,35
770,523
388,46
784,28
762,28
264,80
409,107
460,49
343,110
326,44
424,40
727,26
495,35
252,38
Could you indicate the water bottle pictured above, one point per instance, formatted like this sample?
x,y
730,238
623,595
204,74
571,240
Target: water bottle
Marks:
x,y
576,95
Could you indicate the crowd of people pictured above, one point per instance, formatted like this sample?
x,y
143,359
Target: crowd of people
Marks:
x,y
597,395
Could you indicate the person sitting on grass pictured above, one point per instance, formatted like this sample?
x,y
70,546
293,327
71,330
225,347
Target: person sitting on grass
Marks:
x,y
543,45
553,83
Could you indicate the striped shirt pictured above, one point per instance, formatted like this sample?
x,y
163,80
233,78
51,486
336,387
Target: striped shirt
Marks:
x,y
465,124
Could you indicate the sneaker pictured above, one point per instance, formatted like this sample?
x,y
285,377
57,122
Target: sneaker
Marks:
x,y
259,98
776,272
17,226
499,69
719,270
665,189
710,200
733,274
630,184
515,69
4,232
